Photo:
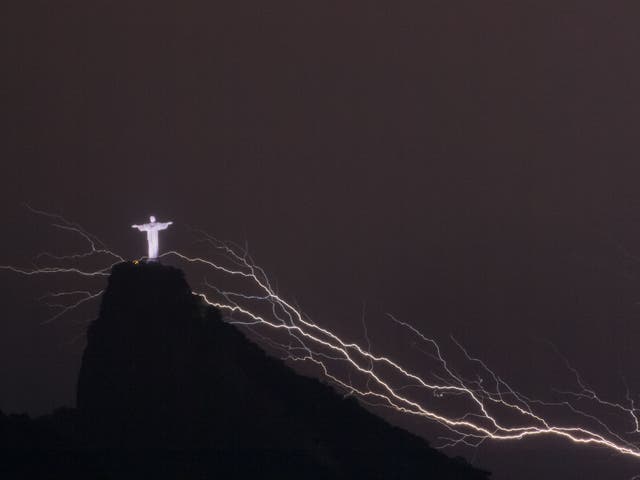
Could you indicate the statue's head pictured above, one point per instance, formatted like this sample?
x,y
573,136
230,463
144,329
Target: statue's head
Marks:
x,y
152,219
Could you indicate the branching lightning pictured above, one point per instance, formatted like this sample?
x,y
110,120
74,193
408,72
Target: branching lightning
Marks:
x,y
470,410
67,264
64,308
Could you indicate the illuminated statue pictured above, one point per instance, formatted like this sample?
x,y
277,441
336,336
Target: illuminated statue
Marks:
x,y
152,229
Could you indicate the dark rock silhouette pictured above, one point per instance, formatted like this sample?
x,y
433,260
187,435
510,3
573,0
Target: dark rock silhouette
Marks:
x,y
168,390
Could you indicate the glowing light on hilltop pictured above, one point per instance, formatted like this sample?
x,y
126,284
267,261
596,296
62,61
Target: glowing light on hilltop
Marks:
x,y
152,228
488,408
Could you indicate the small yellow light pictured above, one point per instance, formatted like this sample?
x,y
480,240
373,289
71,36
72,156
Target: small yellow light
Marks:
x,y
136,262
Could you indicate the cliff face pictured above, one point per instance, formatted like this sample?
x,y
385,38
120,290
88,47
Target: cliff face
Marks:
x,y
163,373
148,371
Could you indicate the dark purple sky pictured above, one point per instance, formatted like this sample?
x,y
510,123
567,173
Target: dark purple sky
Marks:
x,y
471,167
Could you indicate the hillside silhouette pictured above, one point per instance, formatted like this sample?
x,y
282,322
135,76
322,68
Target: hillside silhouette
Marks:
x,y
167,389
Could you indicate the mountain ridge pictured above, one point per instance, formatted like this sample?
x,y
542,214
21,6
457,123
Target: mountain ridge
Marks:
x,y
165,377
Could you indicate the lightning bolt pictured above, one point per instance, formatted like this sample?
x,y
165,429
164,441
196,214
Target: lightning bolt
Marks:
x,y
485,407
96,249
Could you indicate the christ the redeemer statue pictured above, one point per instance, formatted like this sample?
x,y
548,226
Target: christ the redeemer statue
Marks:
x,y
152,229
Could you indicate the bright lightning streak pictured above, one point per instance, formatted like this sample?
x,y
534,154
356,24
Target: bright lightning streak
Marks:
x,y
65,224
103,272
97,249
488,407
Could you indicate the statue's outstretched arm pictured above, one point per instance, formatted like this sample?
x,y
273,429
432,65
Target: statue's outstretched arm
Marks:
x,y
136,226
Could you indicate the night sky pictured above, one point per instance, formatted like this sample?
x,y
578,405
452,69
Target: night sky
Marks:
x,y
471,167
